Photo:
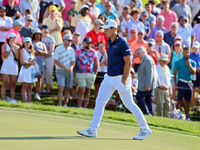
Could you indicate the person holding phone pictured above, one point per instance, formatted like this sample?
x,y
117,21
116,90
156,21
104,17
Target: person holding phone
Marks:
x,y
185,68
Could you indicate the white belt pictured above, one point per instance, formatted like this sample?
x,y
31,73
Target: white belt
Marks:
x,y
185,81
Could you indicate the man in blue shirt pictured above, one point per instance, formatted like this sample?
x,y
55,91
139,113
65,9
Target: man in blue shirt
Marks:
x,y
186,68
117,78
101,6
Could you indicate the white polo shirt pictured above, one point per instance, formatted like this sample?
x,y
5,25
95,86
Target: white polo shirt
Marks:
x,y
8,23
163,48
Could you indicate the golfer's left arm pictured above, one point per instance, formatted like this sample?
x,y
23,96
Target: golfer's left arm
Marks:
x,y
127,68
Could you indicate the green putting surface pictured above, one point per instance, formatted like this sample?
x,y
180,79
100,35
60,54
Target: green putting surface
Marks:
x,y
37,131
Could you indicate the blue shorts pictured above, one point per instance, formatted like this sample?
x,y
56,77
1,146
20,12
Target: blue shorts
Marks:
x,y
64,79
184,90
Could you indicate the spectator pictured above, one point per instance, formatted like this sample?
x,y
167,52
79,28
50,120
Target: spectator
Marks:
x,y
102,17
186,32
170,16
136,44
124,19
173,3
109,14
143,19
102,67
197,31
134,23
9,69
43,6
26,76
111,104
73,11
169,36
47,11
64,58
134,33
76,46
82,22
27,30
5,2
96,35
87,65
185,68
147,81
163,93
151,51
161,46
55,25
154,10
90,13
17,25
151,19
40,52
134,86
64,12
5,26
159,26
94,9
34,22
196,77
47,76
175,56
12,10
102,4
31,4
182,9
67,31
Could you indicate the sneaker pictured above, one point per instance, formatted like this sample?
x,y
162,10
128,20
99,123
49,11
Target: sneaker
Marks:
x,y
142,134
65,105
37,96
13,101
88,133
188,119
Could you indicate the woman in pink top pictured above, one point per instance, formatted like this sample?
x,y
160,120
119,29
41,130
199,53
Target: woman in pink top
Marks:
x,y
5,2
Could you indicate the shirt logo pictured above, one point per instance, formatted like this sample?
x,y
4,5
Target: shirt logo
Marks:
x,y
106,23
115,46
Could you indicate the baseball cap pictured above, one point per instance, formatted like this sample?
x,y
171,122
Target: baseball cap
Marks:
x,y
11,35
52,8
182,18
2,7
178,36
164,58
67,37
160,17
37,31
145,13
17,22
89,4
109,23
84,6
87,40
76,33
43,27
178,42
98,21
152,41
195,44
141,31
27,39
29,17
159,33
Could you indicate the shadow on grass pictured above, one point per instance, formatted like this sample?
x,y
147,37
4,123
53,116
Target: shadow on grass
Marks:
x,y
57,138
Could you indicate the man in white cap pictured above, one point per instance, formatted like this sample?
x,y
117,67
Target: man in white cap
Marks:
x,y
27,30
96,35
64,58
161,46
82,22
196,78
163,93
159,26
117,78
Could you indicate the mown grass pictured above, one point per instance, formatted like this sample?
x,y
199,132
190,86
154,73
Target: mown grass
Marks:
x,y
172,125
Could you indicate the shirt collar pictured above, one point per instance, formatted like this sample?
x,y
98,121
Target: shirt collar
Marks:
x,y
116,39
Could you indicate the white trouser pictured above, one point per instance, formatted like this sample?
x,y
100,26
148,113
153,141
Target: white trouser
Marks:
x,y
108,86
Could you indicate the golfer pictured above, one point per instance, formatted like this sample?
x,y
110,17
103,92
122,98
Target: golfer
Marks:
x,y
117,78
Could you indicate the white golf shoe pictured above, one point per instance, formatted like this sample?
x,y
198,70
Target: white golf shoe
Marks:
x,y
88,133
142,134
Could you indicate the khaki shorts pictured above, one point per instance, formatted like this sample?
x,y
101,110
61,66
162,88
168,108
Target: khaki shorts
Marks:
x,y
85,79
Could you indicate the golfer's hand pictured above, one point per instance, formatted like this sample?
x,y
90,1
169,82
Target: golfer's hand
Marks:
x,y
148,88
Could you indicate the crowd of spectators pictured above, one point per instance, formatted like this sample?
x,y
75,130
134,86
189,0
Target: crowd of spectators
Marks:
x,y
66,33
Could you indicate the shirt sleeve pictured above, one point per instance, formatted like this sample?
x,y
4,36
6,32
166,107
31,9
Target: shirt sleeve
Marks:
x,y
74,22
55,55
62,3
51,40
96,57
193,63
73,55
125,48
168,49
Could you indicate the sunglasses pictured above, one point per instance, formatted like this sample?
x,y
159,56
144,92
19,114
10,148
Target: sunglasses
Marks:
x,y
177,45
88,42
30,20
37,34
73,2
108,6
140,33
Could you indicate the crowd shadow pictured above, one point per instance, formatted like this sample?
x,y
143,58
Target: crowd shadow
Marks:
x,y
58,138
